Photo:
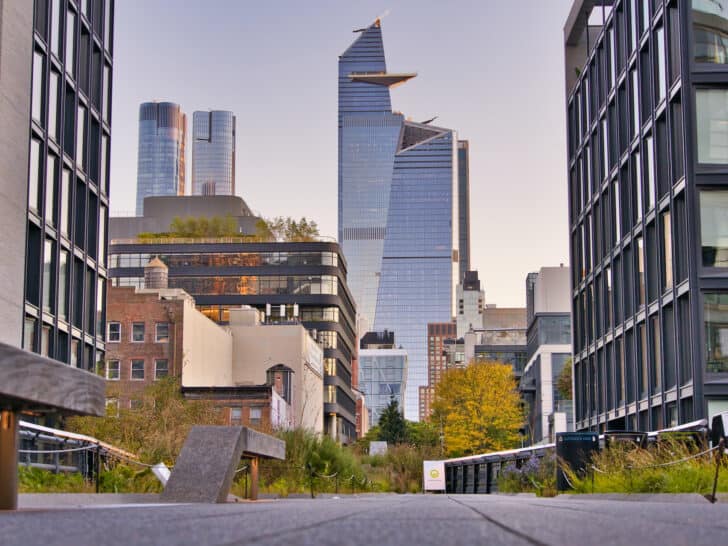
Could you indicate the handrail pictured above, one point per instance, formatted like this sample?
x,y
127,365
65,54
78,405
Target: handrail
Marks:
x,y
79,437
701,423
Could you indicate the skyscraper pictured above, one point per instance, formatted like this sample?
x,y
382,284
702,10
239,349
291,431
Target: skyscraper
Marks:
x,y
647,89
213,153
464,207
161,158
54,176
398,207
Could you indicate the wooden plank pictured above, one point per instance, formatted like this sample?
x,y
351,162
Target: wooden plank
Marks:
x,y
30,382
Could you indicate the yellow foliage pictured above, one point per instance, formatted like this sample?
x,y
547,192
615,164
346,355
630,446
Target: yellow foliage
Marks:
x,y
479,408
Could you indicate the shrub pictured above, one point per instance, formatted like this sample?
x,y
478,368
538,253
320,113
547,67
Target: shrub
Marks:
x,y
536,475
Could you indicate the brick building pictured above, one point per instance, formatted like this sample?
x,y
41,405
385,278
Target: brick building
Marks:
x,y
437,362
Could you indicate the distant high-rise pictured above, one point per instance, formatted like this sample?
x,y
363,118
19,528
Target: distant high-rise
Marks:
x,y
398,207
464,206
161,160
55,107
213,153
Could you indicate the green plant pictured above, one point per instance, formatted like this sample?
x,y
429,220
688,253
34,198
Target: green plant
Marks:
x,y
36,480
535,475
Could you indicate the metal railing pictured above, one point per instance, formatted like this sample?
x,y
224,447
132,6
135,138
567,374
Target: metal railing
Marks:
x,y
479,473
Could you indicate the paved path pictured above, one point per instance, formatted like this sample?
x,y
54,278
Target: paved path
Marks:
x,y
377,520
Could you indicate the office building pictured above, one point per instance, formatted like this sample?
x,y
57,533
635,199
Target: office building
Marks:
x,y
213,153
55,107
464,207
549,350
382,373
161,153
647,88
291,282
502,338
438,336
470,303
398,207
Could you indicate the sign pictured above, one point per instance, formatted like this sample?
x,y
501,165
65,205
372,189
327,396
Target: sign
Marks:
x,y
434,474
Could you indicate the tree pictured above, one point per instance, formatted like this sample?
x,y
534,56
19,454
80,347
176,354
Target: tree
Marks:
x,y
287,229
202,226
392,426
563,381
479,408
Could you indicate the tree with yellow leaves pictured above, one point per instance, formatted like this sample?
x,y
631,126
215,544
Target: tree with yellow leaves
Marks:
x,y
478,408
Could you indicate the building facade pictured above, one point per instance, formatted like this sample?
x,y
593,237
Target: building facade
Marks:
x,y
470,303
213,153
288,280
549,350
647,86
464,207
398,207
161,152
55,106
382,373
438,336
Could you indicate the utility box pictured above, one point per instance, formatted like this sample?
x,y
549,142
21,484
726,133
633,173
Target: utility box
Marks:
x,y
574,449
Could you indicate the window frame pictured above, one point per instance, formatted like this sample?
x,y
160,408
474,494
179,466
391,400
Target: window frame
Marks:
x,y
131,332
108,369
156,332
131,369
108,332
156,368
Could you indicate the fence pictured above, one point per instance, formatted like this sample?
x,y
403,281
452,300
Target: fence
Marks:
x,y
479,473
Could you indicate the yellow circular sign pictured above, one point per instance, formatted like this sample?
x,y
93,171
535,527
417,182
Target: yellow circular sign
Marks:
x,y
434,474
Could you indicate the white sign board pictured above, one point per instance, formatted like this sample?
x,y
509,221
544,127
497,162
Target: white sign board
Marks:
x,y
434,474
377,448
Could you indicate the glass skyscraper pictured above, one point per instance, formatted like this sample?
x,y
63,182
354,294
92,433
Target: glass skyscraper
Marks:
x,y
161,160
213,153
464,206
398,208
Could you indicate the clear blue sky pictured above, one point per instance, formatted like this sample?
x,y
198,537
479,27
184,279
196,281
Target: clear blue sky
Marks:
x,y
490,69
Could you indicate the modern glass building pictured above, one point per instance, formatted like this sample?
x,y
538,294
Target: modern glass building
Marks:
x,y
647,89
398,207
213,153
303,282
56,61
161,156
464,207
382,378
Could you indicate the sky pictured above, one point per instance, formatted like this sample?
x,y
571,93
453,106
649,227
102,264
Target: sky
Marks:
x,y
490,69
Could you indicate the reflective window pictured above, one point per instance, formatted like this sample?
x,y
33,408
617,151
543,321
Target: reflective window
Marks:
x,y
667,251
71,43
34,178
53,112
162,332
712,123
137,332
213,153
641,271
635,109
38,87
649,174
710,31
715,315
56,21
81,150
65,198
660,68
50,190
113,332
63,277
292,284
48,276
714,228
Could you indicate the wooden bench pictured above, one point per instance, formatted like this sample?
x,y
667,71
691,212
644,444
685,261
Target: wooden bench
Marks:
x,y
205,468
30,383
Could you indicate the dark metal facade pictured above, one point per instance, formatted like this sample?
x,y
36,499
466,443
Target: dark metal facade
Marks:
x,y
220,275
647,308
68,180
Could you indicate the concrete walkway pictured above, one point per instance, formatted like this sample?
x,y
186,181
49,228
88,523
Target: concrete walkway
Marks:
x,y
375,520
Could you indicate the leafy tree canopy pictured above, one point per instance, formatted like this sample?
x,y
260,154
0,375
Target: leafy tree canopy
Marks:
x,y
563,381
479,408
287,229
392,426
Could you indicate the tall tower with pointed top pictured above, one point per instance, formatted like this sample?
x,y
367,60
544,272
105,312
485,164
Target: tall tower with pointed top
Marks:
x,y
398,207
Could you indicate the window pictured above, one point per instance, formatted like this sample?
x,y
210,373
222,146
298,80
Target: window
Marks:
x,y
53,111
71,43
714,228
649,173
113,370
715,312
137,332
137,370
34,179
49,262
63,276
255,416
38,87
641,271
50,190
710,21
162,333
65,198
660,68
114,332
236,416
161,368
666,251
112,407
712,123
